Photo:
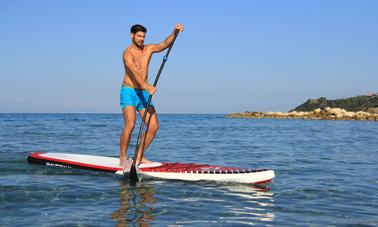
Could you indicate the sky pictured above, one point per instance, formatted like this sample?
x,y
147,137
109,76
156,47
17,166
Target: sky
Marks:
x,y
234,55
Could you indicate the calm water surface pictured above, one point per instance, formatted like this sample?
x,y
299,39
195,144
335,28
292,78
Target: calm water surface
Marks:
x,y
326,173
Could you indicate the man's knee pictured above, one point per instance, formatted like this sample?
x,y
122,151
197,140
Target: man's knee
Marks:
x,y
153,127
128,127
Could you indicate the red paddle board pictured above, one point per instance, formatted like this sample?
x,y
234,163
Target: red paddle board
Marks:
x,y
165,170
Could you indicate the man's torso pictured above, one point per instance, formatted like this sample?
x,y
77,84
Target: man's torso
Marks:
x,y
141,60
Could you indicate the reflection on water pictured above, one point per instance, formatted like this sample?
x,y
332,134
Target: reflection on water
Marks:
x,y
258,203
209,204
136,204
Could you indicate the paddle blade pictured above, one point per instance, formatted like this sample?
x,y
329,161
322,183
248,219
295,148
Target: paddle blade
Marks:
x,y
133,175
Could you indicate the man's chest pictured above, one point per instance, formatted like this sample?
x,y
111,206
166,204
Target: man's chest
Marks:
x,y
141,60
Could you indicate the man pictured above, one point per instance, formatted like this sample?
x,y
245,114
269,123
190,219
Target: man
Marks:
x,y
136,90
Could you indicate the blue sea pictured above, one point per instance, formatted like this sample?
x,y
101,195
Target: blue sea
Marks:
x,y
326,172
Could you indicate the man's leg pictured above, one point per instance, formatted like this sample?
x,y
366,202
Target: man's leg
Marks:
x,y
129,115
152,126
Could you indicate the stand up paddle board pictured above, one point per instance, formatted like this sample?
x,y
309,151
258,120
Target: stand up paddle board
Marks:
x,y
165,170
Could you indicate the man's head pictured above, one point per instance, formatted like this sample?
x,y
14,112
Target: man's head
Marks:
x,y
137,34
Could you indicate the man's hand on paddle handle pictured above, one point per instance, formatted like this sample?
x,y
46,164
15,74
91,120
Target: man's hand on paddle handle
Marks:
x,y
150,89
179,27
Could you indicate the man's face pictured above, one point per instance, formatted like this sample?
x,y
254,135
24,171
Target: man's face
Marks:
x,y
138,38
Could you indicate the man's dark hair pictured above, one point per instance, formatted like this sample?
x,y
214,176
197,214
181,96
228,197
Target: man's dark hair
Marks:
x,y
138,28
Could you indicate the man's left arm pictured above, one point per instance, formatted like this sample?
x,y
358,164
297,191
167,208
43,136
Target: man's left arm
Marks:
x,y
165,44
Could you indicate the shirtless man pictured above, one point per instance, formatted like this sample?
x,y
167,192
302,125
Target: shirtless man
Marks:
x,y
136,90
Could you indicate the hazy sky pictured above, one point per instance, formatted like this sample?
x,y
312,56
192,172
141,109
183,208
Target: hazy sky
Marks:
x,y
65,56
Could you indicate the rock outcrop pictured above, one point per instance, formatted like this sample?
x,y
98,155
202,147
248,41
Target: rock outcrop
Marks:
x,y
367,103
327,113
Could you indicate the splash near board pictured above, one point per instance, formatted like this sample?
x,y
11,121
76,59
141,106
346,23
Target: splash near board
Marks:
x,y
165,170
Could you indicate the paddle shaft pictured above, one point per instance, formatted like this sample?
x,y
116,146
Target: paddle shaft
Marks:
x,y
133,174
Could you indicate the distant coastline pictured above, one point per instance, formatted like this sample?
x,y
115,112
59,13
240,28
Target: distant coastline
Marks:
x,y
355,108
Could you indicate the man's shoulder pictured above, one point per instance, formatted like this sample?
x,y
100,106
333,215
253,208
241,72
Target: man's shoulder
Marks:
x,y
126,52
150,46
127,49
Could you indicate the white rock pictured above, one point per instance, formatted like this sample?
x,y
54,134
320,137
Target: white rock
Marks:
x,y
301,114
362,113
317,111
349,114
336,111
280,114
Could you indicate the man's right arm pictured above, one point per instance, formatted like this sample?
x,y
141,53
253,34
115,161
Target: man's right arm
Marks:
x,y
136,75
165,44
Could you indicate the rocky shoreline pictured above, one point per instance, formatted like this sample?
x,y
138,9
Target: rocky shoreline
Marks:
x,y
317,114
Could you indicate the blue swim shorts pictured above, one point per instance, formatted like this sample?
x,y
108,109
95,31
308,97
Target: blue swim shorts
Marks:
x,y
134,97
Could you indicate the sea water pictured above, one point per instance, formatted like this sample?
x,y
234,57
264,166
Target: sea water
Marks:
x,y
326,172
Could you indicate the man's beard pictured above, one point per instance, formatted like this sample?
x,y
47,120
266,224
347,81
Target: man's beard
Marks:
x,y
138,44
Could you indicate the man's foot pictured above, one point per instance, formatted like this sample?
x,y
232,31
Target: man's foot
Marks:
x,y
150,165
146,161
126,164
122,163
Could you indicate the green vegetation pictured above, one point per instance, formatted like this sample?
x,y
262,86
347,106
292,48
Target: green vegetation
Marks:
x,y
367,103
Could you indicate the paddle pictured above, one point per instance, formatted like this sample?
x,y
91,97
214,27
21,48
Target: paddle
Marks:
x,y
133,175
